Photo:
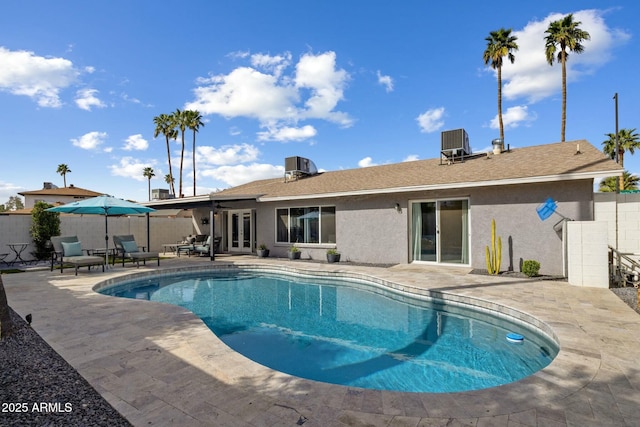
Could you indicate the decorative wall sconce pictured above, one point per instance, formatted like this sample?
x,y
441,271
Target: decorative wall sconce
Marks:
x,y
204,220
398,208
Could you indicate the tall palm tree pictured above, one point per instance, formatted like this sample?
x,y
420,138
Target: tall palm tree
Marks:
x,y
629,182
194,122
180,122
63,170
148,173
500,44
565,34
164,125
628,140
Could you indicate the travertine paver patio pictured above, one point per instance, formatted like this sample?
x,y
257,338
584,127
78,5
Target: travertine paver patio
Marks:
x,y
159,365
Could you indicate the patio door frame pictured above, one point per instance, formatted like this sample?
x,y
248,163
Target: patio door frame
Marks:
x,y
243,221
437,237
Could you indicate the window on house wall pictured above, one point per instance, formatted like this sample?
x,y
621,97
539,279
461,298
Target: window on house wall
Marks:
x,y
315,224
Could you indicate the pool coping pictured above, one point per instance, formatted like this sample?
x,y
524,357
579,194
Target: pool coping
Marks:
x,y
549,393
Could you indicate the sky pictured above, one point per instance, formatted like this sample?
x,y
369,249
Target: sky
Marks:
x,y
347,84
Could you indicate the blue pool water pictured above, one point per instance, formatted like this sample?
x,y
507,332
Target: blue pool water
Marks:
x,y
351,333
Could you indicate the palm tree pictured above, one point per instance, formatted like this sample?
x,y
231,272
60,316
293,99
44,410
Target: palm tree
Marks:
x,y
564,34
63,170
629,182
628,140
169,180
500,44
148,173
180,122
194,121
165,126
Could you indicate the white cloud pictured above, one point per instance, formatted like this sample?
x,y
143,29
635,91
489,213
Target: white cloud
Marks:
x,y
385,81
129,167
86,98
513,117
226,155
288,134
277,100
276,64
431,120
90,141
241,174
411,158
245,92
366,162
135,142
8,189
531,77
40,78
318,73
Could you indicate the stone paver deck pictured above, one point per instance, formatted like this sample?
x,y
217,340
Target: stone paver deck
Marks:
x,y
159,364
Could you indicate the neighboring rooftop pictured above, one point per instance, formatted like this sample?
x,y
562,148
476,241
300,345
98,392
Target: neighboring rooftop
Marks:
x,y
71,190
542,163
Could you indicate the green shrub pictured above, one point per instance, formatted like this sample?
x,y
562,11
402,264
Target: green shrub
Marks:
x,y
530,268
44,225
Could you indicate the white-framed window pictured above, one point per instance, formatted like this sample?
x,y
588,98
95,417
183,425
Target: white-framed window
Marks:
x,y
308,225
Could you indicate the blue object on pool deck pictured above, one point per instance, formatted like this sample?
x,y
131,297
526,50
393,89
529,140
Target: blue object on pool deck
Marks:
x,y
546,209
513,337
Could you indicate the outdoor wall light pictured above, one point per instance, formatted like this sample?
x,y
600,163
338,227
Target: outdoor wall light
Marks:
x,y
398,208
204,220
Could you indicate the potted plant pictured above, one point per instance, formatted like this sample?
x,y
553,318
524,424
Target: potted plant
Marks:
x,y
263,251
333,255
294,252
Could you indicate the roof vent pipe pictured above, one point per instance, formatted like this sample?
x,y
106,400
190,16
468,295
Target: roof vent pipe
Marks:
x,y
498,145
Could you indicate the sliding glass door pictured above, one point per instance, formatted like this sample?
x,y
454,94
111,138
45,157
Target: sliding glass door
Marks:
x,y
440,231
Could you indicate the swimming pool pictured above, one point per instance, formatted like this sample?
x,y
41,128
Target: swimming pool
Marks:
x,y
351,331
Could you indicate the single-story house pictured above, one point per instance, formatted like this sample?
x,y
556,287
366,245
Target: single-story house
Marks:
x,y
425,211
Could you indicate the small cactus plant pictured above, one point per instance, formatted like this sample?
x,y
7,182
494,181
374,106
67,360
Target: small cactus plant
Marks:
x,y
494,255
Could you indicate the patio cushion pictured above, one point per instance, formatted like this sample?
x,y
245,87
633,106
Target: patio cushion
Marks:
x,y
130,246
72,249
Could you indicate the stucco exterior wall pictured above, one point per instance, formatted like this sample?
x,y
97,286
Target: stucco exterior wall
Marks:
x,y
370,228
524,235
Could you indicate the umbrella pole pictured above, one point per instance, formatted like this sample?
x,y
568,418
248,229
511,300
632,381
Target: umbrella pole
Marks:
x,y
106,239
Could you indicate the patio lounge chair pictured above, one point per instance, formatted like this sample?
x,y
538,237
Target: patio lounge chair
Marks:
x,y
127,248
68,250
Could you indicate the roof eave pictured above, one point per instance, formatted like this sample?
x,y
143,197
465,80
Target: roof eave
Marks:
x,y
456,185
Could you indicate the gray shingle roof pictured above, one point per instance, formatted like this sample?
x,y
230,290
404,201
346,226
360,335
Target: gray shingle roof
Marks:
x,y
550,162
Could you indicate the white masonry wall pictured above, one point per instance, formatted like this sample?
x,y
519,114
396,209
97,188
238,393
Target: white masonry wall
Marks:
x,y
628,219
587,254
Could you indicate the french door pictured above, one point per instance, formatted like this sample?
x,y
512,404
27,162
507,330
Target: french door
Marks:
x,y
440,231
240,230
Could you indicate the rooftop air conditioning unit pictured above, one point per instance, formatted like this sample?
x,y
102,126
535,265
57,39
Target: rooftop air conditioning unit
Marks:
x,y
296,167
455,143
160,194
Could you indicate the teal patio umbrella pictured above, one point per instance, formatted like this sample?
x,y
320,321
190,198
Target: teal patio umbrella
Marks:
x,y
103,205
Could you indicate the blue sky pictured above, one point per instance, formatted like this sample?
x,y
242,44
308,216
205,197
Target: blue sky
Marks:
x,y
345,84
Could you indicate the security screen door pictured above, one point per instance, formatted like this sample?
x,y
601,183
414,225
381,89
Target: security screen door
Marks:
x,y
440,231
